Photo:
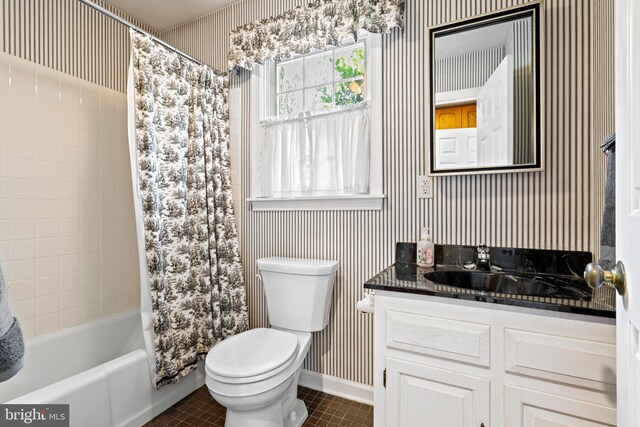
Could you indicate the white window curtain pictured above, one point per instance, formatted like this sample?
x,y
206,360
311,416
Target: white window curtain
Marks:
x,y
316,154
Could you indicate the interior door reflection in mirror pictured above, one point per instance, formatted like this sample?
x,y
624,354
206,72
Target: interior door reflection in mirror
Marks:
x,y
484,93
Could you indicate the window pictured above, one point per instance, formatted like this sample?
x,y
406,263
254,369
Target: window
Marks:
x,y
316,130
320,81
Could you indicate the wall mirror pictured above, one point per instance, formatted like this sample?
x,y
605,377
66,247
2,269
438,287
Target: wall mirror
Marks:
x,y
485,97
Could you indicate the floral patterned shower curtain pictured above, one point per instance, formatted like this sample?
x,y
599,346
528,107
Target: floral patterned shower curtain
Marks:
x,y
190,270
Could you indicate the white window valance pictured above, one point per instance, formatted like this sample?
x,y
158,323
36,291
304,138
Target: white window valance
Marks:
x,y
317,26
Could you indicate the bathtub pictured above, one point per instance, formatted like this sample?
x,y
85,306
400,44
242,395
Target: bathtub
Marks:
x,y
100,369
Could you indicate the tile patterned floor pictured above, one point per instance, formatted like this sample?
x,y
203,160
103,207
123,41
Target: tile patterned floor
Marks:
x,y
199,409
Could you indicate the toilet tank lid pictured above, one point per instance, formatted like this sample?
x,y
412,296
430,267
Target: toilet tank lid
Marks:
x,y
308,267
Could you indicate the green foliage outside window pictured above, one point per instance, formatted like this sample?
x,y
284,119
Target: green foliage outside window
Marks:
x,y
351,92
347,90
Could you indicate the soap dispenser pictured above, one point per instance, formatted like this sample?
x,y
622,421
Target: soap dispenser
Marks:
x,y
425,249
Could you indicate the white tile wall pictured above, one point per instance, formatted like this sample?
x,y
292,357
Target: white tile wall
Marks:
x,y
67,231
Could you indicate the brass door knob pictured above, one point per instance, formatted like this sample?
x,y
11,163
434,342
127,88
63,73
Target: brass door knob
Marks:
x,y
596,277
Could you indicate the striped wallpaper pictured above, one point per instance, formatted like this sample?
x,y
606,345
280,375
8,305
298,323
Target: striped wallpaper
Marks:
x,y
559,208
523,87
555,209
70,37
468,70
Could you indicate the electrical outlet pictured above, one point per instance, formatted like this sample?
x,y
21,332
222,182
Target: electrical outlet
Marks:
x,y
425,187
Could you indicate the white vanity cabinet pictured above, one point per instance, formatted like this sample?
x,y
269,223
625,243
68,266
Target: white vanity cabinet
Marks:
x,y
442,362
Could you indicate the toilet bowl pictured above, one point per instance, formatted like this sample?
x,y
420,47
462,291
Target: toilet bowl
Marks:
x,y
255,374
257,379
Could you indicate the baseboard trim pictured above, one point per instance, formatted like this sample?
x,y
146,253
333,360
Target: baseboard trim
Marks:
x,y
337,386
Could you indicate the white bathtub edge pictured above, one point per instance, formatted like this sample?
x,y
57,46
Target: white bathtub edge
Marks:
x,y
179,391
123,384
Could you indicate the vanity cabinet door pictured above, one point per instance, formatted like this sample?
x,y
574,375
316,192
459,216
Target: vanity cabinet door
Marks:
x,y
423,396
530,408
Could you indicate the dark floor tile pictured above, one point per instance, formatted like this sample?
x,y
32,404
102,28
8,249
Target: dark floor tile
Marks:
x,y
199,409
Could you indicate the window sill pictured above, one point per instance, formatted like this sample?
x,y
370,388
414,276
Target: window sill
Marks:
x,y
332,203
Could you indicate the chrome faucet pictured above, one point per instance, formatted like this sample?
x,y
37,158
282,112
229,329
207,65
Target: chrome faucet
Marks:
x,y
483,260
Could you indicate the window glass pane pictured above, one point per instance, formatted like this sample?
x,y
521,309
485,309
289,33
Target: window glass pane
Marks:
x,y
322,80
350,92
349,62
289,103
290,76
318,69
318,98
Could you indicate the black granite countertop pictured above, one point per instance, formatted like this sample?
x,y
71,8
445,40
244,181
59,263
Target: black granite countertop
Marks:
x,y
565,293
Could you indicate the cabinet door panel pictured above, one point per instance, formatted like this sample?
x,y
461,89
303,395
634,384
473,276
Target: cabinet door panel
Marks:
x,y
529,408
423,396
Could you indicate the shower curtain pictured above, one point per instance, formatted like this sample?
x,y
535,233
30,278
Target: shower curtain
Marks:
x,y
193,292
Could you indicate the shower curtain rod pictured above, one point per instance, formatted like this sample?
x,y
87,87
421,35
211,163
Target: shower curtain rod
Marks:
x,y
138,29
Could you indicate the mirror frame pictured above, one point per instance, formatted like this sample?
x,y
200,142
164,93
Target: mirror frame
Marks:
x,y
528,10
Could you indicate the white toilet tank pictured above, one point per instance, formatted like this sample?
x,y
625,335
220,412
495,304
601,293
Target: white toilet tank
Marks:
x,y
298,292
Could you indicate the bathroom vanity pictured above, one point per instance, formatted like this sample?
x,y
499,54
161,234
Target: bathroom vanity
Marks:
x,y
454,356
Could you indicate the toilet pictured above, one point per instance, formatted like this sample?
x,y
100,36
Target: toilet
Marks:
x,y
255,374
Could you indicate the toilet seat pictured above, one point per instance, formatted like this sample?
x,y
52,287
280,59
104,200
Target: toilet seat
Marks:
x,y
252,356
